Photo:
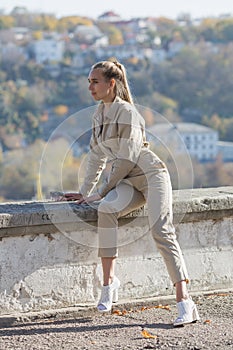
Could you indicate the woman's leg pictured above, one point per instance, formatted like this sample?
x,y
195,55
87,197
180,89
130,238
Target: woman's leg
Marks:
x,y
108,266
120,201
181,291
159,199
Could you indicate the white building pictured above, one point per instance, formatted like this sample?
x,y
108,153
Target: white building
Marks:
x,y
48,50
156,55
198,140
13,53
120,51
225,149
88,34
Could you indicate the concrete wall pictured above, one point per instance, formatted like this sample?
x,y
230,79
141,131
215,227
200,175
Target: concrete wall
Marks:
x,y
48,251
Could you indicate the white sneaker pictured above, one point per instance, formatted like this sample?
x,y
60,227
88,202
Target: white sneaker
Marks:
x,y
109,295
187,312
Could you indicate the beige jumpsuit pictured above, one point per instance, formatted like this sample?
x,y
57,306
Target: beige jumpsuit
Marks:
x,y
137,176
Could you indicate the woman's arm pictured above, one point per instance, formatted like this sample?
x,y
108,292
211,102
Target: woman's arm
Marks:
x,y
130,134
95,166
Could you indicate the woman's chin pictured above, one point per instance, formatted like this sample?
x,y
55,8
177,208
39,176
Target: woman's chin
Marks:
x,y
95,97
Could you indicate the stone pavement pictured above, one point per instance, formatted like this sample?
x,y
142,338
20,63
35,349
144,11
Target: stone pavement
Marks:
x,y
140,325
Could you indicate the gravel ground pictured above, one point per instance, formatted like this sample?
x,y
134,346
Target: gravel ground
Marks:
x,y
123,329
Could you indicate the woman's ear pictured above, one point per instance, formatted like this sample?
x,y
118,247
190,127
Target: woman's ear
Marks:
x,y
112,83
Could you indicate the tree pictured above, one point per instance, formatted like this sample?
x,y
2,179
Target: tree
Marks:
x,y
114,34
207,29
225,30
223,125
45,22
182,78
61,110
166,27
37,35
228,135
6,22
69,23
21,108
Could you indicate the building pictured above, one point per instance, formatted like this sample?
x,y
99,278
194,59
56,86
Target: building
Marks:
x,y
109,16
88,34
122,52
49,49
13,53
157,55
198,140
225,150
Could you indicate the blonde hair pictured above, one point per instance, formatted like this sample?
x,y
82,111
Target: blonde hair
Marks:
x,y
113,69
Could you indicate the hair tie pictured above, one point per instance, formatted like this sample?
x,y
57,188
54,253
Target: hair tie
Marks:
x,y
117,64
114,61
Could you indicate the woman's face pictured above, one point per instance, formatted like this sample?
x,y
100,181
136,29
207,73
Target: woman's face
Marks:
x,y
100,88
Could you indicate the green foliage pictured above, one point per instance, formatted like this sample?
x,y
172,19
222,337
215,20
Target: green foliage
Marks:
x,y
213,174
223,125
32,73
20,170
114,34
46,22
6,22
198,80
20,107
217,30
69,23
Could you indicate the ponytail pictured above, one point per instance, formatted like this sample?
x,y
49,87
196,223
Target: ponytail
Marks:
x,y
116,70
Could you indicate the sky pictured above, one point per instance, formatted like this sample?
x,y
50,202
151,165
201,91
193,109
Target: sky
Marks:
x,y
125,8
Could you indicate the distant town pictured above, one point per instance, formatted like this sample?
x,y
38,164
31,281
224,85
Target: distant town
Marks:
x,y
74,40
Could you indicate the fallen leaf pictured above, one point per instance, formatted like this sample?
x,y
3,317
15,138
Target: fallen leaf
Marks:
x,y
120,313
212,295
143,308
147,335
222,294
166,307
117,312
158,306
207,321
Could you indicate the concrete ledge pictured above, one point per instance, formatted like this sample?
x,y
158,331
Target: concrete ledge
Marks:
x,y
188,205
48,251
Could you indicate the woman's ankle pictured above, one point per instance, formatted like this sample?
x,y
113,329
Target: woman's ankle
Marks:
x,y
108,281
181,291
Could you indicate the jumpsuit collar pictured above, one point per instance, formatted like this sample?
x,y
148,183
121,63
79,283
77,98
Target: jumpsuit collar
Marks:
x,y
112,110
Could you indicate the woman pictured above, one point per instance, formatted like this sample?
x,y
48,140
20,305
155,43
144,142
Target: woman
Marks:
x,y
137,176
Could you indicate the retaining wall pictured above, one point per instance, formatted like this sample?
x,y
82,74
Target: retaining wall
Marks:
x,y
48,251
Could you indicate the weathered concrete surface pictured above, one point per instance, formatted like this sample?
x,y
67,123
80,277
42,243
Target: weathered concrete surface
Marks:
x,y
48,251
189,205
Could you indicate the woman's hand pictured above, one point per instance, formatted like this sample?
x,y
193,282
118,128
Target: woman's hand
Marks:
x,y
89,199
70,196
78,197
